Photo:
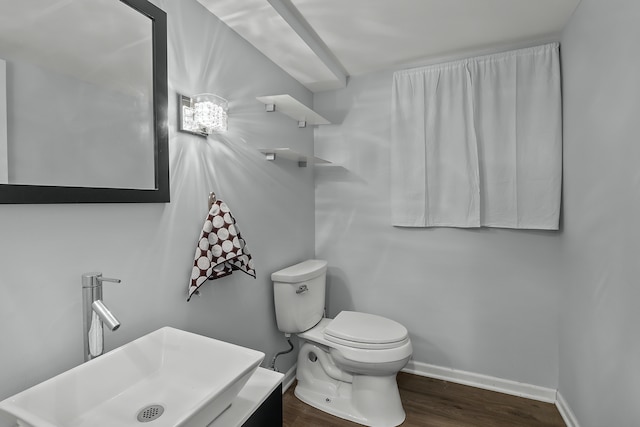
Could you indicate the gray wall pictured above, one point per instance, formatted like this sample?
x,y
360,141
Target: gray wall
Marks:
x,y
45,248
481,300
599,345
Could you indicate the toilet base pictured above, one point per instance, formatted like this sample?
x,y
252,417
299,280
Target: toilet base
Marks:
x,y
365,399
341,404
337,403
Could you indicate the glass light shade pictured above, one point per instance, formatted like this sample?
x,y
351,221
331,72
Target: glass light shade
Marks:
x,y
210,113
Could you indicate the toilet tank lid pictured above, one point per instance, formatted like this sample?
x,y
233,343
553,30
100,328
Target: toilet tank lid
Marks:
x,y
365,328
300,272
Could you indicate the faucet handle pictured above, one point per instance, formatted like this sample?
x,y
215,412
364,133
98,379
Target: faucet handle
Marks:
x,y
91,280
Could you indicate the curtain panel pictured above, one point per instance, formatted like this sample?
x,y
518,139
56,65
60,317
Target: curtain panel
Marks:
x,y
478,142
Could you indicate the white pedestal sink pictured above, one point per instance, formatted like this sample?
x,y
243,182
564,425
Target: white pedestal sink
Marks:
x,y
167,378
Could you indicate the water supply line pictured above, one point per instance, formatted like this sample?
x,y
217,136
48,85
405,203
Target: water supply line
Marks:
x,y
273,361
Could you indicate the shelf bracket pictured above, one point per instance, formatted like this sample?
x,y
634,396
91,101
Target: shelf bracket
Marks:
x,y
272,157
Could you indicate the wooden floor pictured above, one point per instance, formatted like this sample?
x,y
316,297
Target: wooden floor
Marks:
x,y
436,403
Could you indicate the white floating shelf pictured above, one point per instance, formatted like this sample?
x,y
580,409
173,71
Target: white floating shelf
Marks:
x,y
288,105
289,154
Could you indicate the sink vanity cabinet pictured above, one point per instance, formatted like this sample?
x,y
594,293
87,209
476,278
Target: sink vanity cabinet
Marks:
x,y
258,404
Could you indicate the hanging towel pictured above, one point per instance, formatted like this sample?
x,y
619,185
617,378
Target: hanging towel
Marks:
x,y
221,249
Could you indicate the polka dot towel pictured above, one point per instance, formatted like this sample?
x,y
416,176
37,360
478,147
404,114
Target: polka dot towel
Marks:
x,y
221,249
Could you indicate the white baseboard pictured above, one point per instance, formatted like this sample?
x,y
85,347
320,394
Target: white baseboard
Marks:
x,y
289,378
486,382
567,414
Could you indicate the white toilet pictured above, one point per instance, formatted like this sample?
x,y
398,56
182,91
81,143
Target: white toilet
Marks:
x,y
347,366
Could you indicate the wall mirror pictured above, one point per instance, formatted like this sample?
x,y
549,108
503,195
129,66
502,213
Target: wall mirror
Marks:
x,y
83,102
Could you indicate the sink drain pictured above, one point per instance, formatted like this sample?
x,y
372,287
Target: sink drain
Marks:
x,y
150,413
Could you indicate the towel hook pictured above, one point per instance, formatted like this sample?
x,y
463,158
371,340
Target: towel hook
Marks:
x,y
212,199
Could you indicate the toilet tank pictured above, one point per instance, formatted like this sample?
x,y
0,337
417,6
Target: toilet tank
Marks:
x,y
298,294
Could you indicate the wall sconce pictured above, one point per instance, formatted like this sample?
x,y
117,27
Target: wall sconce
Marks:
x,y
203,114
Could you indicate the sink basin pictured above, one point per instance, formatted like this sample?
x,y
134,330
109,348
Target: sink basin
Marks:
x,y
167,378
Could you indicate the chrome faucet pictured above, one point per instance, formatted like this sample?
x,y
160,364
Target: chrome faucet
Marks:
x,y
95,314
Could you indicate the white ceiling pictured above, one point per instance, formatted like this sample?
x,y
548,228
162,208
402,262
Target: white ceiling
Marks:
x,y
322,42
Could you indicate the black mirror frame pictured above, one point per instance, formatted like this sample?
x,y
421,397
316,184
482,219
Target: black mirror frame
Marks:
x,y
17,194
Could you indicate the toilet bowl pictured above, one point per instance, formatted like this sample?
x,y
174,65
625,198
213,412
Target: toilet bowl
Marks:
x,y
347,366
358,384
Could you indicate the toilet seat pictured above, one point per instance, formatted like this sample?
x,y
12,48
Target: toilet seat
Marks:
x,y
366,346
366,331
393,352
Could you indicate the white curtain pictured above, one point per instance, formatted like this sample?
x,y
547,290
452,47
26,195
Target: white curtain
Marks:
x,y
478,142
